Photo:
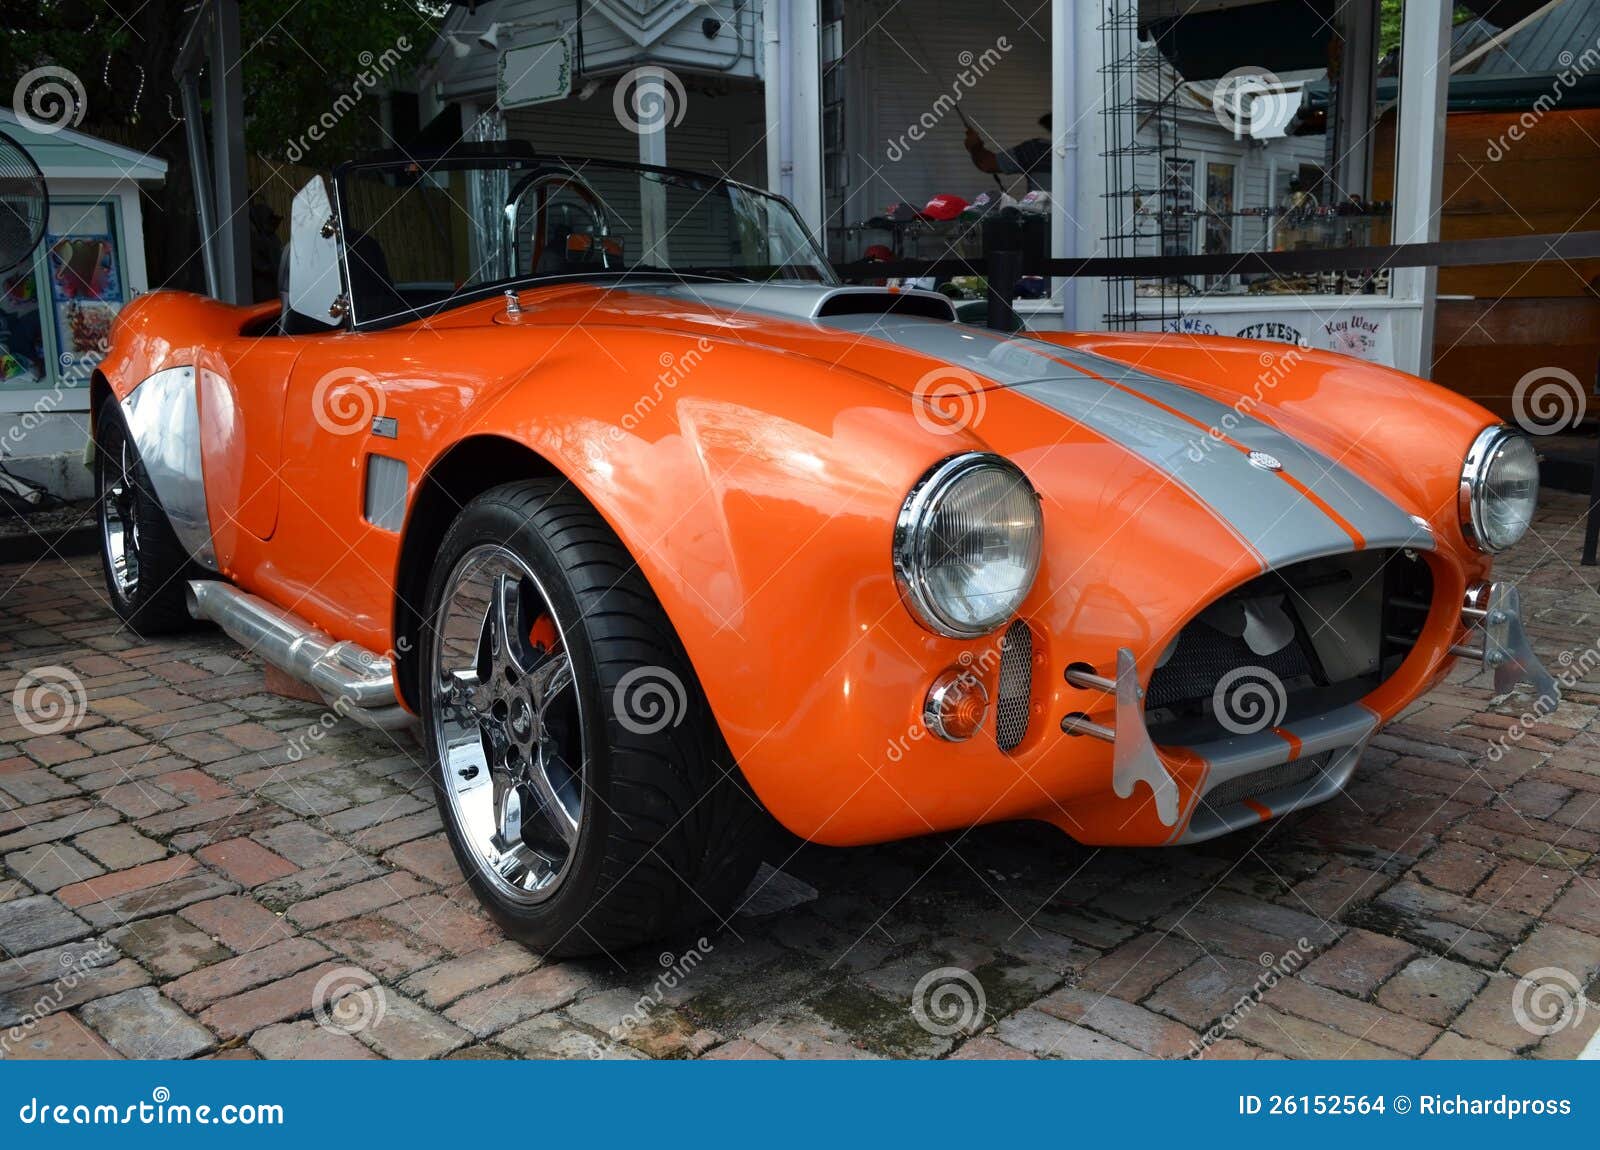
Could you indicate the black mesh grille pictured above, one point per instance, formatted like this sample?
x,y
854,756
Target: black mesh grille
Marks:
x,y
1204,655
1016,684
1258,783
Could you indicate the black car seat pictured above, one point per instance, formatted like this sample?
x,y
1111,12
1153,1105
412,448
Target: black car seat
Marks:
x,y
371,288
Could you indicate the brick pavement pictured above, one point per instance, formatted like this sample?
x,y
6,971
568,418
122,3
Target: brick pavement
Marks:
x,y
187,871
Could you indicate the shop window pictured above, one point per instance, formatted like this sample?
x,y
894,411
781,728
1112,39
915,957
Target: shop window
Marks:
x,y
87,286
56,310
1258,125
22,352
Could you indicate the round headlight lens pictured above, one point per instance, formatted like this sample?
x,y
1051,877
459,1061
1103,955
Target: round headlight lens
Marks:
x,y
967,544
1499,488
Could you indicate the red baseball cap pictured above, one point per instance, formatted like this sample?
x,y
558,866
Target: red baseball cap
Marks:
x,y
944,207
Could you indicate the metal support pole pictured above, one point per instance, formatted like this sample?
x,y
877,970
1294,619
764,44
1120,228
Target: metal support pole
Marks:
x,y
227,133
194,130
1591,523
1004,269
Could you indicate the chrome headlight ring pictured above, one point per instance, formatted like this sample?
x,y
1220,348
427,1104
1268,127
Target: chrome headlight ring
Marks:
x,y
1481,520
927,566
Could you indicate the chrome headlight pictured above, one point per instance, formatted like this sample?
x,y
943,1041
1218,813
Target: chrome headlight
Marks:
x,y
1499,489
966,547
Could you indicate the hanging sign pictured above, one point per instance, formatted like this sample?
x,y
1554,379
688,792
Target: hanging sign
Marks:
x,y
536,73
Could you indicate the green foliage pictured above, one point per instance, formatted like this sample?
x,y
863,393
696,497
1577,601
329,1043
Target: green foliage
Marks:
x,y
316,63
1391,18
303,64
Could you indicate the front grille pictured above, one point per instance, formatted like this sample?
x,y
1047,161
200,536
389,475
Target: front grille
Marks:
x,y
1016,686
1258,783
1204,655
1326,632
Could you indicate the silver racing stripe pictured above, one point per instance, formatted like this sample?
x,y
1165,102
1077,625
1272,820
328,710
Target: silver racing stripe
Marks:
x,y
1371,513
1168,426
1267,513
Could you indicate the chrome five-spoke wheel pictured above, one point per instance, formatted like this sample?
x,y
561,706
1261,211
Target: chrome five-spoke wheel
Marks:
x,y
580,829
508,723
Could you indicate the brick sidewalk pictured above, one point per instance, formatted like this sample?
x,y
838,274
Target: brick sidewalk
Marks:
x,y
200,868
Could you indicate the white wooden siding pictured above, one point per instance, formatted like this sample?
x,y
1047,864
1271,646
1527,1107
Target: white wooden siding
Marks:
x,y
607,49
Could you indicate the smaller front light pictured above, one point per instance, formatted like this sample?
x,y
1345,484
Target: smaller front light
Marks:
x,y
1499,489
956,706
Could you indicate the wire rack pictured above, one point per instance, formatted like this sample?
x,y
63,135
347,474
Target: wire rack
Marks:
x,y
1140,114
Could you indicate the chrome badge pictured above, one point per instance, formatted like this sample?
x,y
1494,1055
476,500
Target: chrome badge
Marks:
x,y
1265,462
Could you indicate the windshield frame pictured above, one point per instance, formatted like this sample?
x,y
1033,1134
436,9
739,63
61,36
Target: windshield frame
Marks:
x,y
528,162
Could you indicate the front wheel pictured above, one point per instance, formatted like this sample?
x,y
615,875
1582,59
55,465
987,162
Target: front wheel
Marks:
x,y
585,788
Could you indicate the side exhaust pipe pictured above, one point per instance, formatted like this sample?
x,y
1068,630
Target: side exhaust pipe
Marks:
x,y
350,678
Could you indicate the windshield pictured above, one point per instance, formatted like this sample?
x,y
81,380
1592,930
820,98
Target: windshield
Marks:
x,y
420,236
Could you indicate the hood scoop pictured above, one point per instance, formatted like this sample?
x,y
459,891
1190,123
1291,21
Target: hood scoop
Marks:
x,y
882,301
812,301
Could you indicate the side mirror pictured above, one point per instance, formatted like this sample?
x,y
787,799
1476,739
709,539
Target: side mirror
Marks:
x,y
316,290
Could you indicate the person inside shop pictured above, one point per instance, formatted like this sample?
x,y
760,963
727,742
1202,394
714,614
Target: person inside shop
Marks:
x,y
1029,159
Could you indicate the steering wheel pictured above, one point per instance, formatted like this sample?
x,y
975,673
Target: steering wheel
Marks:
x,y
545,186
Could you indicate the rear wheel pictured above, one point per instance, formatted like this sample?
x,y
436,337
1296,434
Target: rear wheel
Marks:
x,y
585,788
145,565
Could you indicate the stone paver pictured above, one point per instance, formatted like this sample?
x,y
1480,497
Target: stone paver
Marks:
x,y
177,880
142,1024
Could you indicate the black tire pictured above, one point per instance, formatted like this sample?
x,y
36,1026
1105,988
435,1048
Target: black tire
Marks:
x,y
154,603
670,834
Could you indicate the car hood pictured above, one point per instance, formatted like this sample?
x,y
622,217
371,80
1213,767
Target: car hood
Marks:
x,y
1283,497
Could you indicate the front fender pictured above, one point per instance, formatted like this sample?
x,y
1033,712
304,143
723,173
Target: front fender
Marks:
x,y
762,517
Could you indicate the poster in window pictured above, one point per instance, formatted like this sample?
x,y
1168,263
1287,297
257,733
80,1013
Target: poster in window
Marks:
x,y
21,332
86,291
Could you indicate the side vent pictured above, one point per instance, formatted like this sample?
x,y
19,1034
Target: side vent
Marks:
x,y
385,499
1016,686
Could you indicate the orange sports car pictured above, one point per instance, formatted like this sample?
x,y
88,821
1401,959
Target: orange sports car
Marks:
x,y
597,472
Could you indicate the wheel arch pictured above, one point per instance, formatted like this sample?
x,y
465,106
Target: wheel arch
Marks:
x,y
470,467
99,392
